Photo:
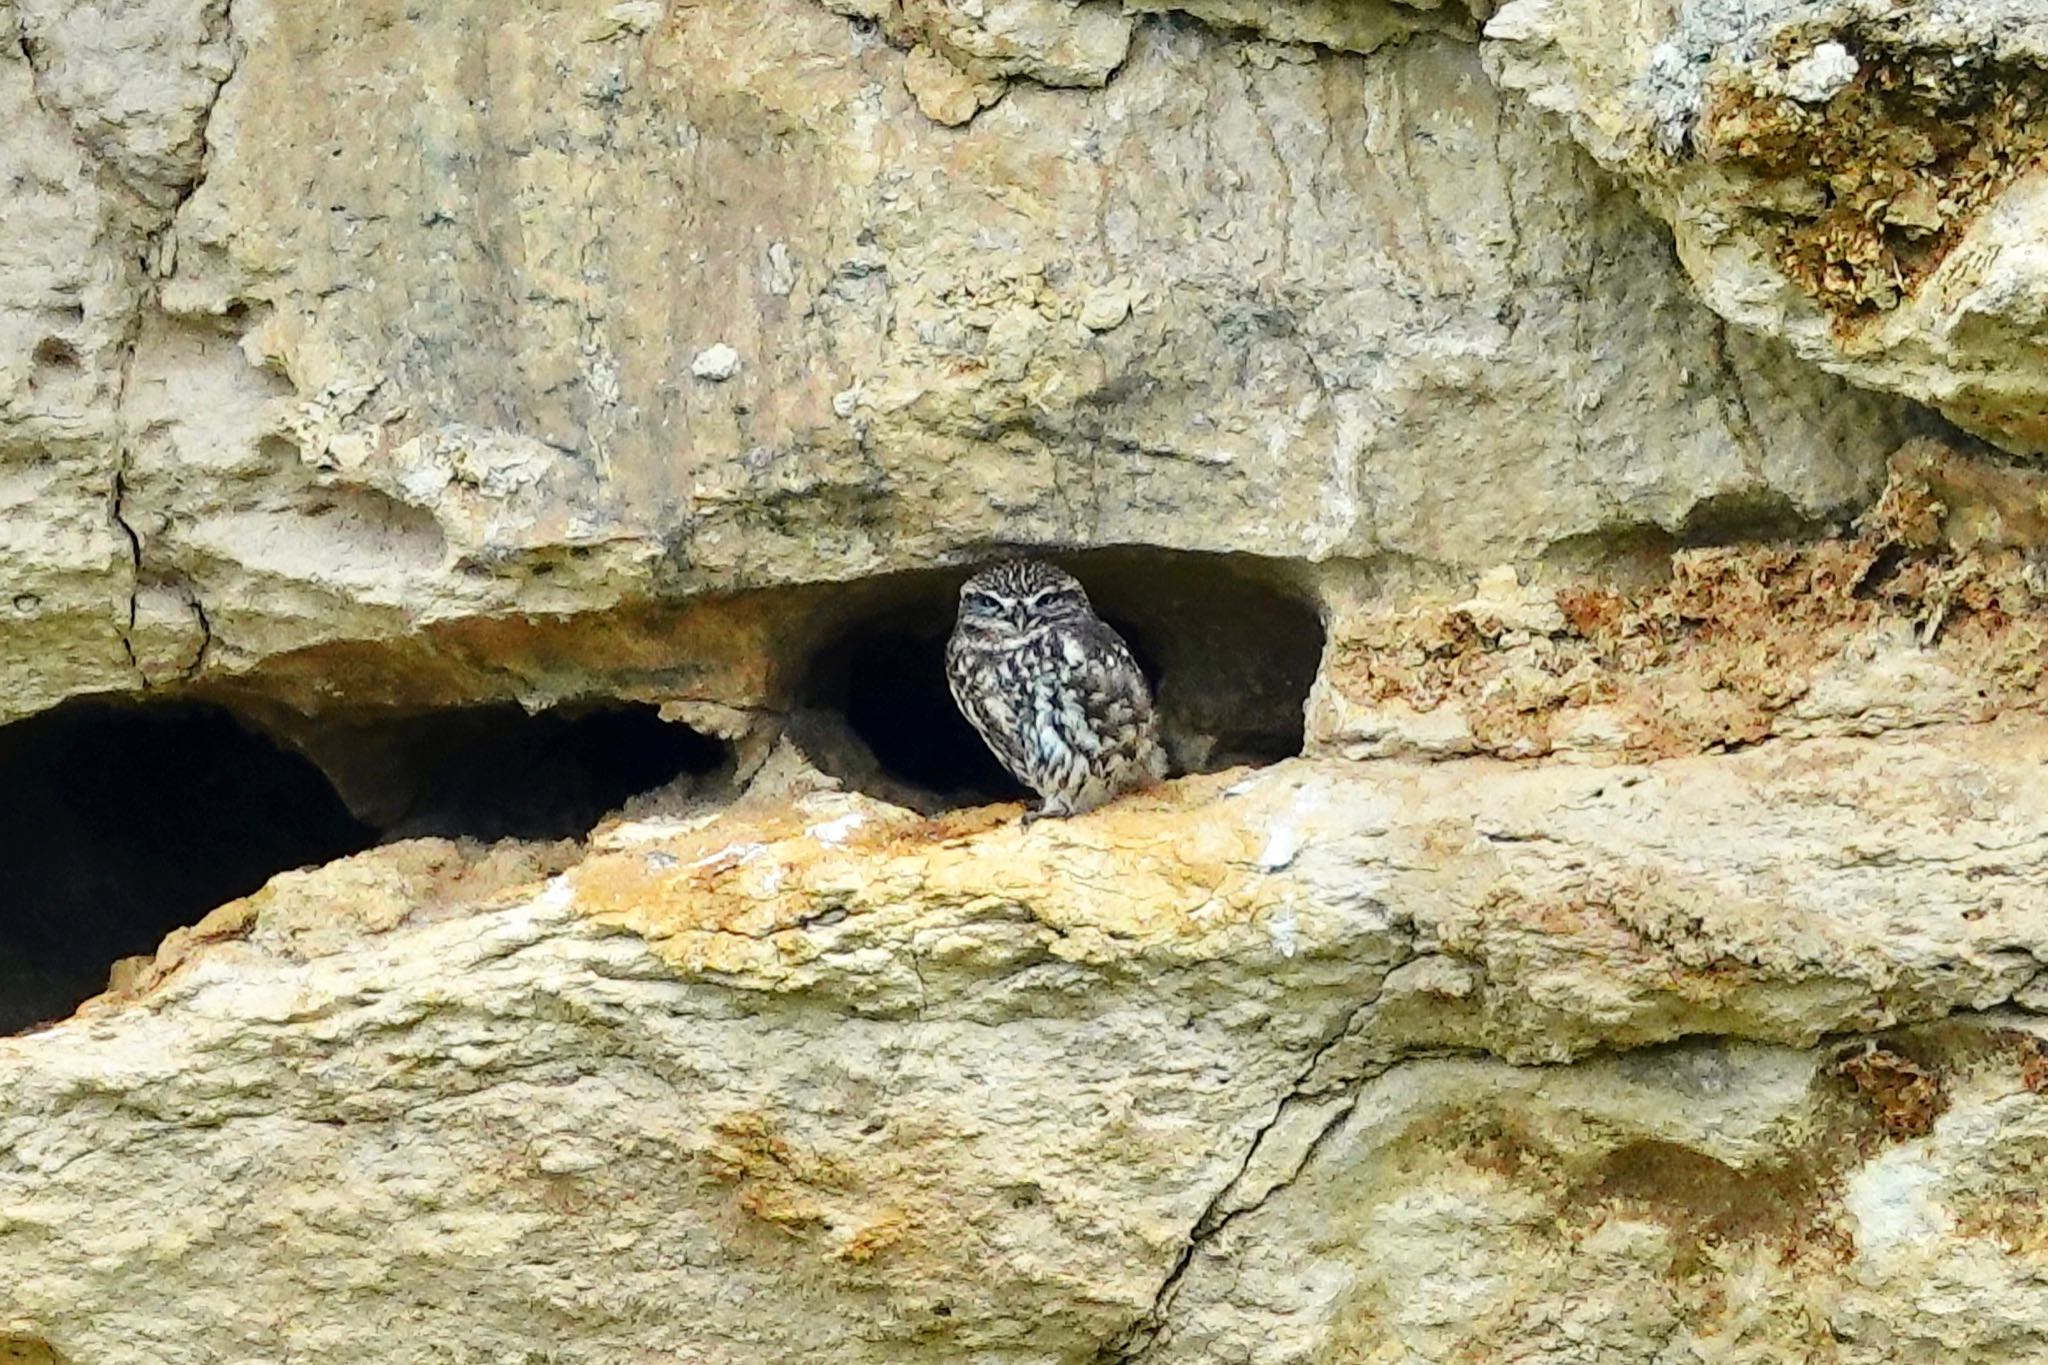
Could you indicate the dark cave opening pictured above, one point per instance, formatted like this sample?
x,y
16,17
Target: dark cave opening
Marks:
x,y
120,822
497,771
876,714
1229,645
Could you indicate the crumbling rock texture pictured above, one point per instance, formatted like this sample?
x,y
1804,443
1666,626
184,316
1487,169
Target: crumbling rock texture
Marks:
x,y
1865,195
420,345
1737,645
1325,1058
1860,179
1602,911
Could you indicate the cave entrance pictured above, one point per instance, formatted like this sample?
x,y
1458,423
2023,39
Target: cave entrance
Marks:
x,y
120,822
1229,645
875,712
498,771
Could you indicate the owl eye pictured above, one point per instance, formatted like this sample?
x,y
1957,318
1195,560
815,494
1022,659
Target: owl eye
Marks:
x,y
980,604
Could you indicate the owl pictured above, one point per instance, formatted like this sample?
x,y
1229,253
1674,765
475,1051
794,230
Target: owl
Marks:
x,y
1051,689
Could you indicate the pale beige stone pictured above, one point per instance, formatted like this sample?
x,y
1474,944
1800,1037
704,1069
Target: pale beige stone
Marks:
x,y
423,352
67,290
1105,308
348,358
944,93
136,79
1932,288
828,1081
1720,1202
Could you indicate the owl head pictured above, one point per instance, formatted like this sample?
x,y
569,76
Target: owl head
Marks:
x,y
1019,597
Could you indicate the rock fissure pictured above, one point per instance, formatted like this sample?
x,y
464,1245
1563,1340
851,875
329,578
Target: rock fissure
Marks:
x,y
26,45
155,268
1777,1188
1740,421
197,666
115,498
806,1160
1132,1345
223,24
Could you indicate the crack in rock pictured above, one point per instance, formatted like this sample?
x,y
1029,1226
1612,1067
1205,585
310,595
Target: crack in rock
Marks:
x,y
1218,1213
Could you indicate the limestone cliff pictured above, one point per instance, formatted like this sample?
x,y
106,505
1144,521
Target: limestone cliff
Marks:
x,y
481,489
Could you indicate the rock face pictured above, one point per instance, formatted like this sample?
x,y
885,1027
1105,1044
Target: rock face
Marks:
x,y
422,345
965,1090
1860,179
1604,913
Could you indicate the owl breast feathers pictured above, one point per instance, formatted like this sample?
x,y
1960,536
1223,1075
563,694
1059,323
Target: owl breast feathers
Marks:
x,y
1052,690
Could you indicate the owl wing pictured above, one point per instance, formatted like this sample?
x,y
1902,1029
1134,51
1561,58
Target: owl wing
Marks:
x,y
989,706
1106,685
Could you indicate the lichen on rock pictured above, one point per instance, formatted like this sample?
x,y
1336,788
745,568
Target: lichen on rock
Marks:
x,y
1738,644
810,1044
1863,193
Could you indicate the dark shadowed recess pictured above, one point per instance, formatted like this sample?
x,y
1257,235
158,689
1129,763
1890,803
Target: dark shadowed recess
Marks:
x,y
497,771
1229,644
121,822
17,1348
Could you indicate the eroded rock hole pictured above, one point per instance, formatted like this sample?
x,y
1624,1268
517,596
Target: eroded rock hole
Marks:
x,y
876,713
498,771
1230,647
121,822
18,1349
55,353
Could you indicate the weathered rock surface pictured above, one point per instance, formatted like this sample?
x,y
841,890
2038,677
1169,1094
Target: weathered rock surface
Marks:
x,y
1643,964
1153,1084
1709,1202
1936,614
418,347
1861,179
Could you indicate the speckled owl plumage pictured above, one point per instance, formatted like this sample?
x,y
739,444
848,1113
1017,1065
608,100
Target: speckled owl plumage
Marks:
x,y
1051,689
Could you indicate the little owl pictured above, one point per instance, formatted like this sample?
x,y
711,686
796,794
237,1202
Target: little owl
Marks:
x,y
1051,689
